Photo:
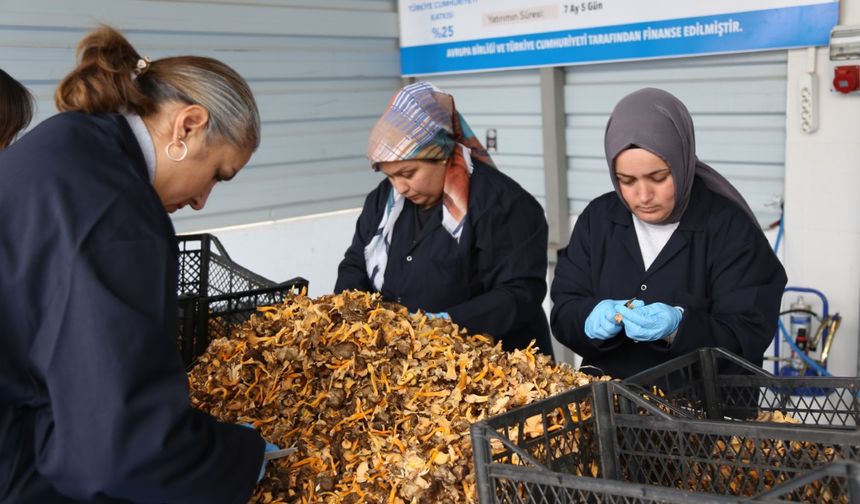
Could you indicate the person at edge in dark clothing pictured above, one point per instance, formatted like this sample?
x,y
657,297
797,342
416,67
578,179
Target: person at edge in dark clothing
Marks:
x,y
676,238
16,108
446,232
94,399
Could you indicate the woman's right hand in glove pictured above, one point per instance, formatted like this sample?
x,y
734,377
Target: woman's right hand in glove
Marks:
x,y
601,324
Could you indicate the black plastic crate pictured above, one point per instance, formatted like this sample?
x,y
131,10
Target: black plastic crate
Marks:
x,y
215,293
607,443
715,384
840,478
837,482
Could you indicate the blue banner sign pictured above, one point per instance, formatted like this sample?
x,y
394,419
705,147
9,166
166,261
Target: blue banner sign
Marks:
x,y
449,36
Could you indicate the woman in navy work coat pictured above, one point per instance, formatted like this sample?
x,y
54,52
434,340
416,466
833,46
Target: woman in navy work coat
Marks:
x,y
94,400
446,232
677,237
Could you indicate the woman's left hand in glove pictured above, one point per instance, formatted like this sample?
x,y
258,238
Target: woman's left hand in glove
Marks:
x,y
651,322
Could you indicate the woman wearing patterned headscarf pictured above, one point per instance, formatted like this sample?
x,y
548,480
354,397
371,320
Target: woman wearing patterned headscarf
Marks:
x,y
676,236
446,232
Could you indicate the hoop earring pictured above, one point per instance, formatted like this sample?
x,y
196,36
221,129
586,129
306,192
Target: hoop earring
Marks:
x,y
179,158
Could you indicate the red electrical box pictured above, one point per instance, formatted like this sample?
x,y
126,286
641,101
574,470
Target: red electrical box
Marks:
x,y
846,78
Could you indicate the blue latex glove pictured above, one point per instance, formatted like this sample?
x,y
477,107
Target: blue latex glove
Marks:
x,y
269,448
441,315
650,322
600,324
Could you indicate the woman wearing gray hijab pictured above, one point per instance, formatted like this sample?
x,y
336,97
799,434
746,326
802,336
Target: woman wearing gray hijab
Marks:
x,y
673,260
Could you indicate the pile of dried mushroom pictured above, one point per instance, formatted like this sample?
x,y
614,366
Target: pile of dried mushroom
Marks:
x,y
756,465
377,400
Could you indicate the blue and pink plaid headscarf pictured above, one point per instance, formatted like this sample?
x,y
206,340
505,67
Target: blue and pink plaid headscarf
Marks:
x,y
422,123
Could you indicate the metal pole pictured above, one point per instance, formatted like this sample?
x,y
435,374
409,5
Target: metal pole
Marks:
x,y
555,175
555,157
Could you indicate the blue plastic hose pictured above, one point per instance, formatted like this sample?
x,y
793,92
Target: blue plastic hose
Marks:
x,y
779,233
776,336
824,312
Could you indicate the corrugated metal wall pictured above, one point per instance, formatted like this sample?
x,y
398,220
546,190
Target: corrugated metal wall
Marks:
x,y
737,103
322,71
508,101
738,108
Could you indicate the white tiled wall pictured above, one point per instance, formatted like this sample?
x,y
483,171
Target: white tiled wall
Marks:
x,y
822,181
311,247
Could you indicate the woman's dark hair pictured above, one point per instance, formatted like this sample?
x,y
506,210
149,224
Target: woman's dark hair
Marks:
x,y
112,77
16,108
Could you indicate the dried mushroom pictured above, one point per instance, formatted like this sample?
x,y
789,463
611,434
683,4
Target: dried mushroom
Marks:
x,y
733,476
744,466
377,400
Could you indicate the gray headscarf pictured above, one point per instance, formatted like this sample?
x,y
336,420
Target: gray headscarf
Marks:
x,y
656,121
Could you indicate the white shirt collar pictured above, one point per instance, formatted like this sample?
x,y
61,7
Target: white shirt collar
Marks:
x,y
652,238
145,141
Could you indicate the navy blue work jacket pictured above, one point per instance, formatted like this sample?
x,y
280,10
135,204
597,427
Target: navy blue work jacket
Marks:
x,y
493,281
94,399
717,265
